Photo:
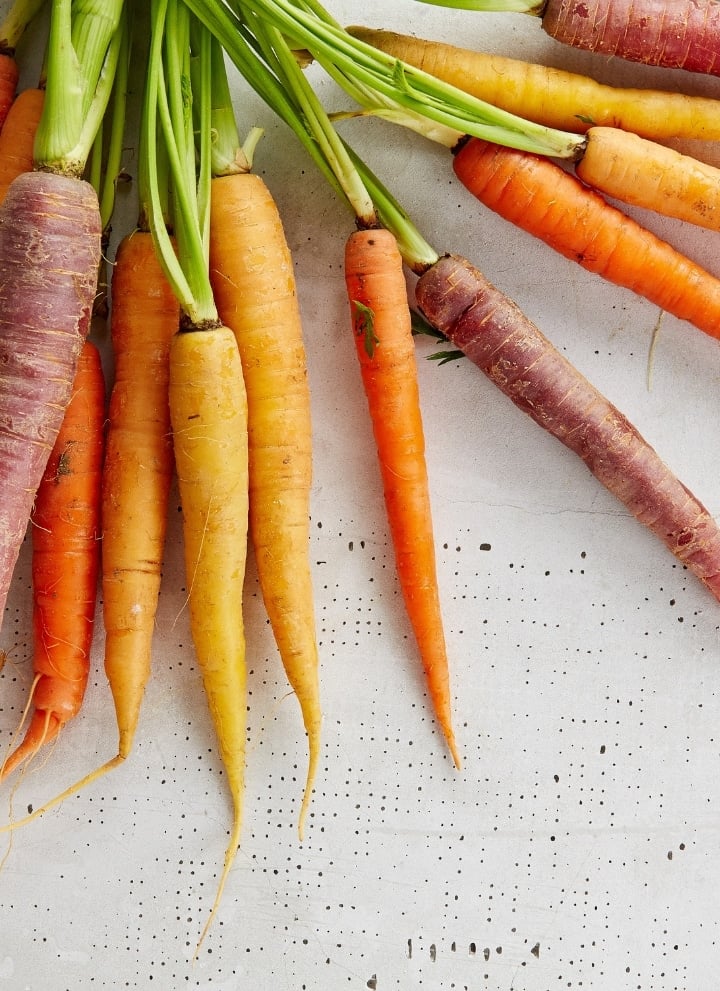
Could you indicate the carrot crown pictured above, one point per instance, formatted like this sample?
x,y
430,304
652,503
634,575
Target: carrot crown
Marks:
x,y
84,43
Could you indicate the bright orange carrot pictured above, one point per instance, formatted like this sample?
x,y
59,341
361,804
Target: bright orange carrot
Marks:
x,y
251,271
17,136
65,562
377,292
540,197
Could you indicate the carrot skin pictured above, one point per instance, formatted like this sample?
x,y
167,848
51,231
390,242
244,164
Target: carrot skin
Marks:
x,y
375,280
251,271
49,258
17,137
65,561
554,97
9,75
492,331
541,198
137,472
681,34
208,411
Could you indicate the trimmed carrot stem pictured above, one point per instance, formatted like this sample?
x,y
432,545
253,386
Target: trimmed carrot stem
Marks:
x,y
381,321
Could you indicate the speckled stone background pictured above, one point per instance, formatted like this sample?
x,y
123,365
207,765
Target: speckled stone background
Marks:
x,y
578,848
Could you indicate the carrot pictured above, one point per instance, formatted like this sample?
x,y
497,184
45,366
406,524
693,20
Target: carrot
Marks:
x,y
207,397
675,34
65,562
251,272
552,96
457,300
49,258
137,472
9,75
17,137
385,347
540,197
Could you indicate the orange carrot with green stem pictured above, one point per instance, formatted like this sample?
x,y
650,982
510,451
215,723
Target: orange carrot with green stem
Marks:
x,y
251,272
66,535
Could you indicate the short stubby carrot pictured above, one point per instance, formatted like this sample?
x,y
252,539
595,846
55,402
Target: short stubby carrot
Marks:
x,y
208,411
66,535
382,326
251,272
675,34
492,331
542,198
17,137
49,258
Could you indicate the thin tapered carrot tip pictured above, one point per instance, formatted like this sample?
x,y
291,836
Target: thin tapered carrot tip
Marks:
x,y
44,727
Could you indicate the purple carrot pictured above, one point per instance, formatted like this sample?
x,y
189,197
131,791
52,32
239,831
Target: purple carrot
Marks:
x,y
677,34
49,259
493,332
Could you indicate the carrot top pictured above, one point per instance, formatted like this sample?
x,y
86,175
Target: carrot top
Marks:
x,y
83,48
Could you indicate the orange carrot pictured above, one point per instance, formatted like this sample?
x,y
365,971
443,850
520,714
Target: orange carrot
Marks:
x,y
377,292
136,477
540,197
17,136
251,272
9,75
65,562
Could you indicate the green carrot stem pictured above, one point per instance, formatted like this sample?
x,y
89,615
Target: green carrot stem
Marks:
x,y
16,22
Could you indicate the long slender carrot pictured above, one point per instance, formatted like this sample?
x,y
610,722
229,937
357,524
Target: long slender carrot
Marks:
x,y
540,197
9,75
65,562
17,137
251,271
381,320
137,472
491,330
552,96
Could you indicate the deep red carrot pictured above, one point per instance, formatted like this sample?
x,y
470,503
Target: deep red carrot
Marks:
x,y
539,196
65,562
9,75
492,331
381,318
